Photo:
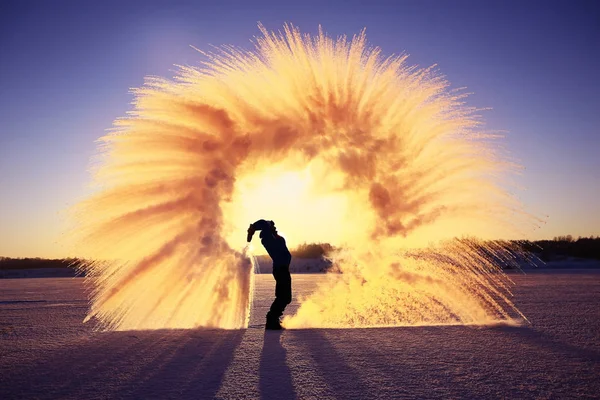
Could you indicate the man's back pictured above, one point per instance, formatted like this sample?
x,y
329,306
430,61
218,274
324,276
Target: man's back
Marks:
x,y
276,247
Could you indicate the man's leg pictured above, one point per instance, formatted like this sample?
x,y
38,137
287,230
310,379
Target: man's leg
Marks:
x,y
283,294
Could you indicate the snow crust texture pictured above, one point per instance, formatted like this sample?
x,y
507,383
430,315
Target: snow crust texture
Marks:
x,y
47,353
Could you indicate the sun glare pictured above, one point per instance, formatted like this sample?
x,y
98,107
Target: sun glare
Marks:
x,y
289,198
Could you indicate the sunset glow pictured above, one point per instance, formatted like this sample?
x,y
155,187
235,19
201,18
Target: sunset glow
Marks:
x,y
333,142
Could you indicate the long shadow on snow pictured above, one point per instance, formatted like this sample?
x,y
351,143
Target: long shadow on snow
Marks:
x,y
275,375
135,364
342,380
554,345
401,362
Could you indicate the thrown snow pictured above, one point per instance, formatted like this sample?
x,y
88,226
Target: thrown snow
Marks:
x,y
45,351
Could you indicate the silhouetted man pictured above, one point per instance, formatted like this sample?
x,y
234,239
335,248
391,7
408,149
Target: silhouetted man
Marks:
x,y
281,256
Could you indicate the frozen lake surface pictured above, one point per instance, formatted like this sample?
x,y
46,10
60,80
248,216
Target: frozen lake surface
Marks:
x,y
46,352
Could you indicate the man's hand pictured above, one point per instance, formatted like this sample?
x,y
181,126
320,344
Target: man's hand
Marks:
x,y
251,231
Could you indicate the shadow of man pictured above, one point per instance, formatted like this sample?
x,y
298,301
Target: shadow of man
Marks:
x,y
342,379
275,376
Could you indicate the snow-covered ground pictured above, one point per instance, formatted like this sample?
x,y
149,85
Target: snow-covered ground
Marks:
x,y
46,352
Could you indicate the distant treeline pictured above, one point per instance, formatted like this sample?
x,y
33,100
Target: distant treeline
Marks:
x,y
312,250
306,250
31,263
561,246
565,246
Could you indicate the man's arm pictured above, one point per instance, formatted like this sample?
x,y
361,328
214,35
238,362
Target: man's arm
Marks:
x,y
257,226
261,224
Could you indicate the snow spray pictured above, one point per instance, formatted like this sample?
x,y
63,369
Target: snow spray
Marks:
x,y
397,148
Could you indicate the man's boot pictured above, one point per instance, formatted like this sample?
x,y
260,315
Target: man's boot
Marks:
x,y
273,323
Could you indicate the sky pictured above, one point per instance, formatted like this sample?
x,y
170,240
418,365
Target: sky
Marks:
x,y
67,67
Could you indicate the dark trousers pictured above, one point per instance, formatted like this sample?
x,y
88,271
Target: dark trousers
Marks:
x,y
283,292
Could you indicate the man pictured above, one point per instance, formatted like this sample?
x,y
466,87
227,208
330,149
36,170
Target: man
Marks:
x,y
281,256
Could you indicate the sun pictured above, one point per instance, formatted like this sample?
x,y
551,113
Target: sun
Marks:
x,y
291,198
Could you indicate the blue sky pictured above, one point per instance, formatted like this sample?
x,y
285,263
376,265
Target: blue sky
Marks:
x,y
66,69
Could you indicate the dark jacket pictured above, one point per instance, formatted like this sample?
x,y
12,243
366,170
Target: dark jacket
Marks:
x,y
273,243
